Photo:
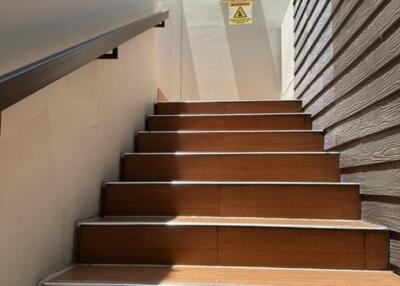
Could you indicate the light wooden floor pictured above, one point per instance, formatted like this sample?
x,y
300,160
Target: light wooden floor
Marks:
x,y
186,275
232,221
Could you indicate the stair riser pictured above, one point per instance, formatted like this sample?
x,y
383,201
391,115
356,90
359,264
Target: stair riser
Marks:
x,y
229,142
230,107
253,122
286,201
239,246
270,167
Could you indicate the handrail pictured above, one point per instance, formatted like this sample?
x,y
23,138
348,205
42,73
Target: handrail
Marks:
x,y
19,84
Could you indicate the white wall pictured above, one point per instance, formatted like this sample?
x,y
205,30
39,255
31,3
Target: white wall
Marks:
x,y
169,49
218,61
57,146
288,50
31,30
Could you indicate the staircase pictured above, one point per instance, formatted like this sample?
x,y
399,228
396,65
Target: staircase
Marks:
x,y
230,193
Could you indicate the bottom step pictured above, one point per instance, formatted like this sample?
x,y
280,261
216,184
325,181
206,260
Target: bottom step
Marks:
x,y
208,275
260,242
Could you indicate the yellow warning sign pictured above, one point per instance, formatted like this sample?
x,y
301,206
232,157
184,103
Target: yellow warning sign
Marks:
x,y
240,12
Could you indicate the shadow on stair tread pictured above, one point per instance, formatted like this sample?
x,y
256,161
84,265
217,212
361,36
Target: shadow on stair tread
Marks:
x,y
209,275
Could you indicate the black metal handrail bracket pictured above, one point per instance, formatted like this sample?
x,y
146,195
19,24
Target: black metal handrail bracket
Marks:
x,y
21,83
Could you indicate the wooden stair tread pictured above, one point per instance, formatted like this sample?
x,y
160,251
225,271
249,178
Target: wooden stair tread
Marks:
x,y
230,131
231,115
230,101
231,153
236,221
91,275
227,183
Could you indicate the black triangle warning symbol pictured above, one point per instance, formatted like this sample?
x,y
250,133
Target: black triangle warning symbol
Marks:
x,y
240,14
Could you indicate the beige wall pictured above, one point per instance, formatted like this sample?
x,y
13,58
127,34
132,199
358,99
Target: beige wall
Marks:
x,y
56,147
217,61
288,50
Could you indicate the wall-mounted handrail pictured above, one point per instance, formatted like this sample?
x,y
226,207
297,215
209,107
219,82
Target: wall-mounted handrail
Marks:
x,y
19,84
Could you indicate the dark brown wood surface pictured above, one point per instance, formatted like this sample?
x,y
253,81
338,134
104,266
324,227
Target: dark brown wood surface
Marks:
x,y
297,167
311,248
161,200
228,107
229,142
230,122
244,200
148,245
236,246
